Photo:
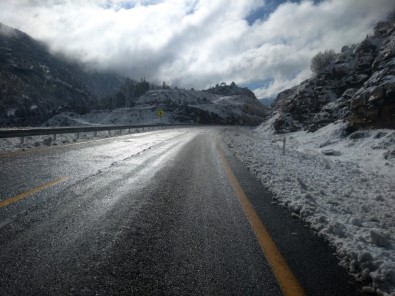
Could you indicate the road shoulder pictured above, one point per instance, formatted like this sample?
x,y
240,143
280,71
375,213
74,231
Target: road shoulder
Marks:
x,y
310,258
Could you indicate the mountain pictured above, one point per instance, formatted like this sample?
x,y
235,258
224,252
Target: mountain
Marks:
x,y
358,87
267,101
35,85
224,104
139,102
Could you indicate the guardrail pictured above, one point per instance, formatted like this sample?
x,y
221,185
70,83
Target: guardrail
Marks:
x,y
26,132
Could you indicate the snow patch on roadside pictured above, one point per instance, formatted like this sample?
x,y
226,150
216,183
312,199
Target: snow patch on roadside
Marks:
x,y
15,144
342,186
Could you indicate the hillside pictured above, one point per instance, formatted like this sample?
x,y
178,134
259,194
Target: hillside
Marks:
x,y
358,87
225,104
35,85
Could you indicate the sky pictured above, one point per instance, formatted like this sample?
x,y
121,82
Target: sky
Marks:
x,y
266,45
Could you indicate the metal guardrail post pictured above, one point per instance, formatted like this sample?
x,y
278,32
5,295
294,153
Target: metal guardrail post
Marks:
x,y
22,140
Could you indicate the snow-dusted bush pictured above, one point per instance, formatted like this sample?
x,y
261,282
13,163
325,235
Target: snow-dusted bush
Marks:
x,y
322,60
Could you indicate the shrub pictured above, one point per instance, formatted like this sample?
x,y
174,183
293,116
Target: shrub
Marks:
x,y
322,60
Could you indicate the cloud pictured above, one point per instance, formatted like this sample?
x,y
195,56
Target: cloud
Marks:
x,y
197,43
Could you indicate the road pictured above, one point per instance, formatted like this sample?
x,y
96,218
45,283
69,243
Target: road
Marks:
x,y
154,213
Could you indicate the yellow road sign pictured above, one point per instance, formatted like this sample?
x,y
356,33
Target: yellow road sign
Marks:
x,y
160,113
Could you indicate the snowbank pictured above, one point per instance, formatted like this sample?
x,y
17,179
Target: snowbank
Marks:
x,y
342,186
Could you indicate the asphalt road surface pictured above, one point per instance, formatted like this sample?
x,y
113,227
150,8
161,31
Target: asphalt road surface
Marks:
x,y
154,213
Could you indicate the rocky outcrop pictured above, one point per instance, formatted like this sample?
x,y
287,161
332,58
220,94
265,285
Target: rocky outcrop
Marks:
x,y
231,90
374,103
357,87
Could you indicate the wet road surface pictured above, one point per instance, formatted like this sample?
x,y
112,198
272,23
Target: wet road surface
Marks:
x,y
147,214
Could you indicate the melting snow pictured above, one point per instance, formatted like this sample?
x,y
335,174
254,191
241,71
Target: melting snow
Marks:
x,y
342,186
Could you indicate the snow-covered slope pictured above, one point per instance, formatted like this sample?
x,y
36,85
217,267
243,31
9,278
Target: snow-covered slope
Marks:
x,y
342,186
179,105
119,116
35,85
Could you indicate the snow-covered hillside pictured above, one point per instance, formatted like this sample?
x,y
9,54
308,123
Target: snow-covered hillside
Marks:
x,y
179,106
119,116
358,86
342,186
35,84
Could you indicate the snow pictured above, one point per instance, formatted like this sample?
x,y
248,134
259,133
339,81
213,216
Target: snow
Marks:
x,y
233,100
346,196
146,107
11,112
120,116
8,145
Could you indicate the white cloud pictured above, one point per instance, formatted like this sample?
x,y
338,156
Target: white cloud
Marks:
x,y
195,43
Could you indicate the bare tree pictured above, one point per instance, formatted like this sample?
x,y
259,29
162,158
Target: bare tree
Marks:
x,y
322,60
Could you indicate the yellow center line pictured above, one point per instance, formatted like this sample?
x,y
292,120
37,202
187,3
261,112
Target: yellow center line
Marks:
x,y
285,277
23,195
